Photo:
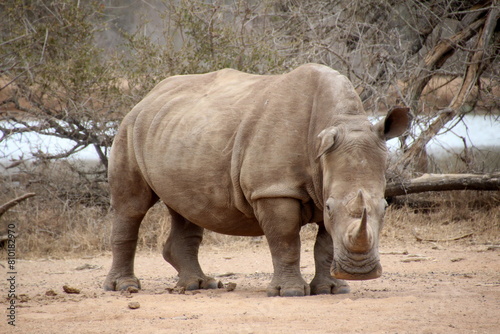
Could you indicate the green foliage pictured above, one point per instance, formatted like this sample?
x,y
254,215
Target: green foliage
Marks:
x,y
216,36
200,37
58,78
52,44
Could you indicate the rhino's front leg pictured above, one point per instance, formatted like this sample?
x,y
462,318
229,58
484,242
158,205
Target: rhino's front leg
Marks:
x,y
323,282
280,221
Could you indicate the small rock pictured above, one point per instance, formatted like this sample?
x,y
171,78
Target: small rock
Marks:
x,y
132,289
71,290
50,293
230,286
134,305
458,259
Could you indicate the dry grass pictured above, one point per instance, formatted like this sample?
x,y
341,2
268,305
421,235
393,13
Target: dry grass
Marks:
x,y
445,216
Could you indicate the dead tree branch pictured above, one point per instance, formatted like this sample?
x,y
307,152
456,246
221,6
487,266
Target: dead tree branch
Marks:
x,y
14,202
443,50
444,182
476,65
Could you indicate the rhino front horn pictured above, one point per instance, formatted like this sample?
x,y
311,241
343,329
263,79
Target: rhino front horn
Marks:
x,y
360,238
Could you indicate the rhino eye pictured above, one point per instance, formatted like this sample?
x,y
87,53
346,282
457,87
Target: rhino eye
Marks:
x,y
329,205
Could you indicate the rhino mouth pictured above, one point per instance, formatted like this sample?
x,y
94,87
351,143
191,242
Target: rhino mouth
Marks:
x,y
359,270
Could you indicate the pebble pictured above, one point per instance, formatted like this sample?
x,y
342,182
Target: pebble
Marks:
x,y
134,305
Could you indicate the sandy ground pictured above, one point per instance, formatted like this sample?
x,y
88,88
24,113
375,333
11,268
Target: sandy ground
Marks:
x,y
450,287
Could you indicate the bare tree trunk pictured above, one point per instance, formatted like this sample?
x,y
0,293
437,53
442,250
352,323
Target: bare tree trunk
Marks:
x,y
436,58
477,64
444,182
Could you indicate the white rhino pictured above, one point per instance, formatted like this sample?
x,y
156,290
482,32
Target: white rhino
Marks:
x,y
251,155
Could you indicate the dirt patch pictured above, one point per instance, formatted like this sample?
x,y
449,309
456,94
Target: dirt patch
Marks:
x,y
451,287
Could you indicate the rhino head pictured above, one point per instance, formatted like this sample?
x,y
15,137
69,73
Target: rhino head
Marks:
x,y
352,155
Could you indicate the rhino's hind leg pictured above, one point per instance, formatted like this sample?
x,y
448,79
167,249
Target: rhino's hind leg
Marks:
x,y
181,251
323,282
124,242
131,198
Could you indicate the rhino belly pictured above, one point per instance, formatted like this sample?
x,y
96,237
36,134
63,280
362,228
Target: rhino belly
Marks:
x,y
209,208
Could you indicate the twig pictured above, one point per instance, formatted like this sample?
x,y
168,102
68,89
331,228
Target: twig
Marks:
x,y
44,44
420,238
405,252
416,259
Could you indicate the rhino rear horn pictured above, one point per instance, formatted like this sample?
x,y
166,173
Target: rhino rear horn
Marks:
x,y
357,205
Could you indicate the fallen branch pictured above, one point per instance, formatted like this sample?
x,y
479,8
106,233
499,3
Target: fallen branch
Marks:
x,y
14,202
420,238
444,182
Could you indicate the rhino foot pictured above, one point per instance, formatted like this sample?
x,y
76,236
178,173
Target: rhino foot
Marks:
x,y
197,283
329,286
122,283
288,289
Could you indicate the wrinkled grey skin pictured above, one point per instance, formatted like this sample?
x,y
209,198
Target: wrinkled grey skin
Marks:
x,y
253,155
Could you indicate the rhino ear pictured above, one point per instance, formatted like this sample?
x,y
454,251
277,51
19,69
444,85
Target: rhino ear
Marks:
x,y
326,140
396,122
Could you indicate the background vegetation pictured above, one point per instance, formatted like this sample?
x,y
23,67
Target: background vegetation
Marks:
x,y
72,69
